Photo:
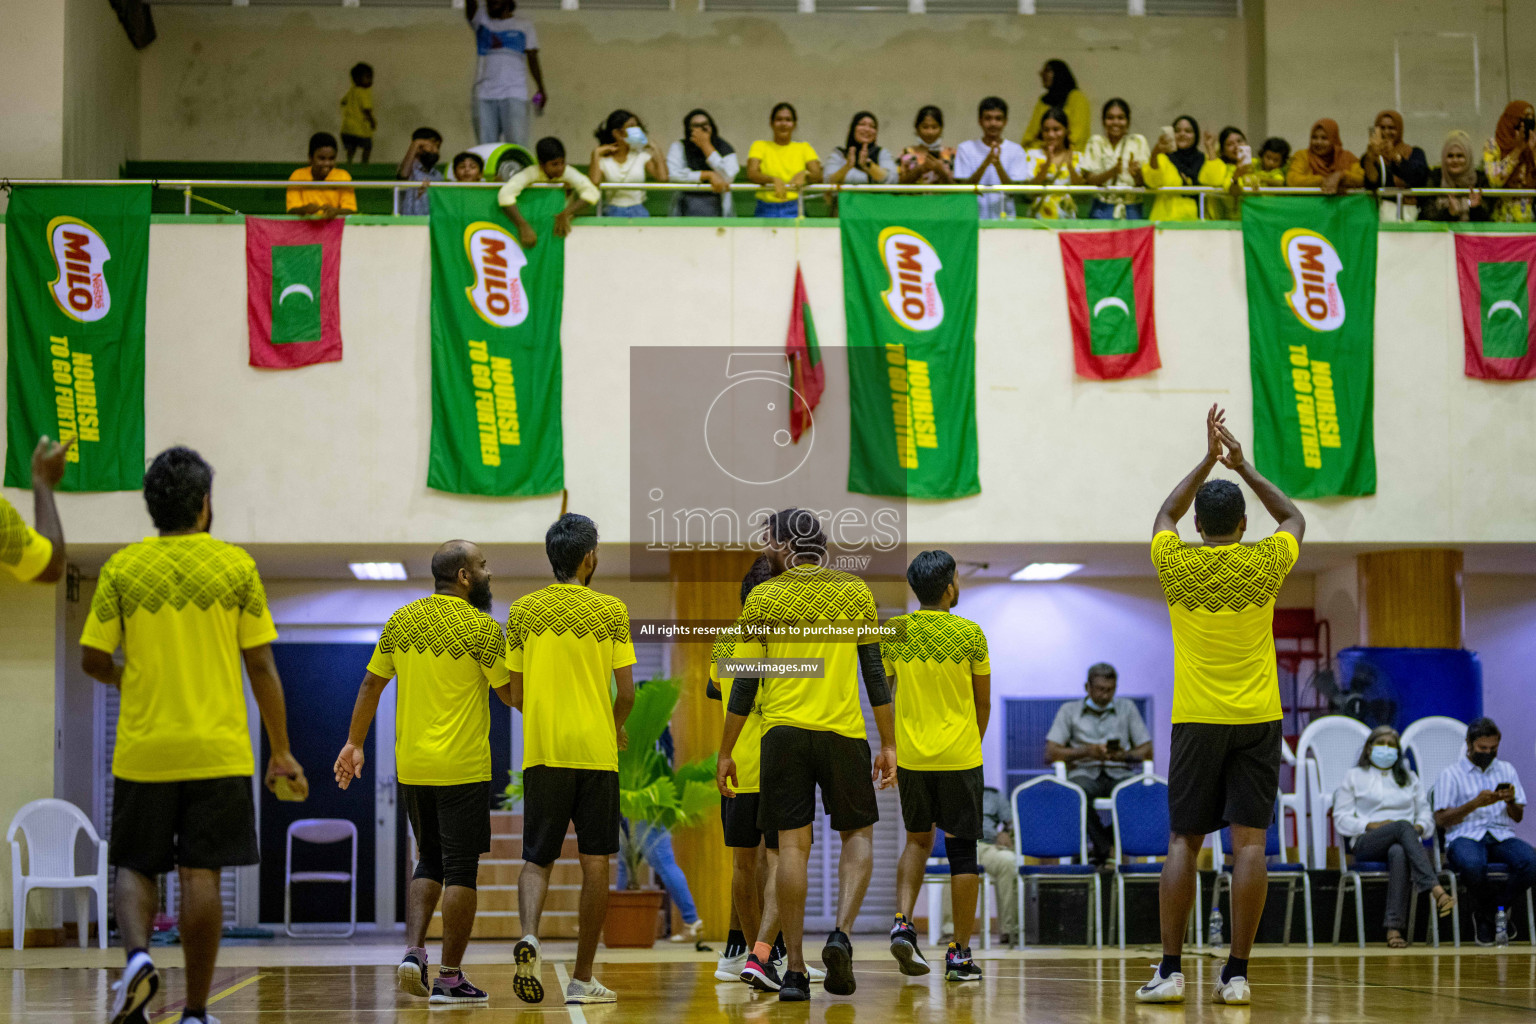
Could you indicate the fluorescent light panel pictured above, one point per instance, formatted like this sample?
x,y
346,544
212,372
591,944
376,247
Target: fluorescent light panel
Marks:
x,y
377,570
1034,572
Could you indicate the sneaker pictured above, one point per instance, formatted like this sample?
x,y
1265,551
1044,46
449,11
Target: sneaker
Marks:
x,y
761,976
904,949
592,991
729,968
781,964
526,984
455,988
837,954
411,975
797,987
1161,989
688,932
133,991
958,965
1482,928
1233,992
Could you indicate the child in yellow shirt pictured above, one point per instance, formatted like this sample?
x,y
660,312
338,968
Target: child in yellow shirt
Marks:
x,y
357,120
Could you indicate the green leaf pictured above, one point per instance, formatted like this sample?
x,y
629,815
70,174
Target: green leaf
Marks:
x,y
695,801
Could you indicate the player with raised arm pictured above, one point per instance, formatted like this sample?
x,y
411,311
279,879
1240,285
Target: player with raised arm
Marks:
x,y
36,555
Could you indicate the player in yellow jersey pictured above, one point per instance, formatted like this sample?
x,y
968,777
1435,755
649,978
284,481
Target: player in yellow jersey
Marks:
x,y
564,645
814,733
941,679
187,609
36,555
446,651
1224,767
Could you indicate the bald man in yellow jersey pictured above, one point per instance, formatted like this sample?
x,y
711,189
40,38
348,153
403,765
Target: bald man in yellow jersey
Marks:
x,y
36,555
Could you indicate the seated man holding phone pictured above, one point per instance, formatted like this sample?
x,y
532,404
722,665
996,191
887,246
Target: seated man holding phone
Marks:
x,y
1103,741
1478,800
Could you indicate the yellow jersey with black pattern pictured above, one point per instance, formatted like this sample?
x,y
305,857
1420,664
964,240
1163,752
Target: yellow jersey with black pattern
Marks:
x,y
748,750
933,661
24,552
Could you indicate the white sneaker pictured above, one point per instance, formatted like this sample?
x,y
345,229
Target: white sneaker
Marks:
x,y
132,992
815,973
1161,989
589,992
688,932
729,968
527,985
1233,992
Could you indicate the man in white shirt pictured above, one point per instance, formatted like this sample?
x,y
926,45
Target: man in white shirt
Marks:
x,y
1478,800
507,50
991,160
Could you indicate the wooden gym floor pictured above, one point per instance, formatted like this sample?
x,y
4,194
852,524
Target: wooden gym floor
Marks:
x,y
328,983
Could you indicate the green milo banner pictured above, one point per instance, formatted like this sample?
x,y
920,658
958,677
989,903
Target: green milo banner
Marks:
x,y
496,345
77,265
909,291
1311,266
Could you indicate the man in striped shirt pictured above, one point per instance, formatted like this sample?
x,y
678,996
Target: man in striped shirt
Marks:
x,y
1478,800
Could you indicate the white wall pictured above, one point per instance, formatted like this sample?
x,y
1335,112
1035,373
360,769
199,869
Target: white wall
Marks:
x,y
101,91
337,453
32,82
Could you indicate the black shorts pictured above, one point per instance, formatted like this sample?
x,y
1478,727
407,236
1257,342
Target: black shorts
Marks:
x,y
1222,775
356,141
204,823
950,800
738,818
452,826
801,760
553,798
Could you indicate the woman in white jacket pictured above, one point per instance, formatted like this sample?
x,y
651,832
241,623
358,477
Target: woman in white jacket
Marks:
x,y
1382,810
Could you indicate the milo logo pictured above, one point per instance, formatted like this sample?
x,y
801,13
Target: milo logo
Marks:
x,y
498,261
1314,296
913,265
79,286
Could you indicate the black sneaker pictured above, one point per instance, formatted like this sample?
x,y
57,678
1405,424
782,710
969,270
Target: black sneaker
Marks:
x,y
1482,928
796,988
455,989
412,976
837,956
958,965
904,948
762,976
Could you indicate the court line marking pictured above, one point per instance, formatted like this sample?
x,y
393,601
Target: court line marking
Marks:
x,y
165,1011
1442,994
578,1015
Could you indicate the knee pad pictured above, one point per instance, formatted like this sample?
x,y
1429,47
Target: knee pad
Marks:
x,y
962,856
461,870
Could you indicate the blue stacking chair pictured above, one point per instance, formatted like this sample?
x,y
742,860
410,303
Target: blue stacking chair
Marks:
x,y
935,874
1278,872
1057,816
1140,811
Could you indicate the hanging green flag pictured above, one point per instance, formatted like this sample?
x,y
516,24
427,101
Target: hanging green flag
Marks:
x,y
1311,266
909,291
496,307
77,266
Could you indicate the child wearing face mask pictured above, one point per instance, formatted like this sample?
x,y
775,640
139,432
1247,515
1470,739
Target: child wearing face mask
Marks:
x,y
1381,810
418,164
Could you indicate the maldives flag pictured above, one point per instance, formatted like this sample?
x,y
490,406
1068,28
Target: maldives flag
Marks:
x,y
1109,299
807,377
292,291
1498,292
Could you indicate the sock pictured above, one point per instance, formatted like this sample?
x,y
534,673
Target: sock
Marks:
x,y
1171,965
763,952
735,943
447,972
1235,968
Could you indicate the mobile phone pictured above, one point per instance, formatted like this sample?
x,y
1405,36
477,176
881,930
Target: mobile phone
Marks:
x,y
1113,746
1245,154
1504,787
1167,132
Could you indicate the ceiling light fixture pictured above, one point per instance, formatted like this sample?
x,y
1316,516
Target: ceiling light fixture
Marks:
x,y
377,570
1035,572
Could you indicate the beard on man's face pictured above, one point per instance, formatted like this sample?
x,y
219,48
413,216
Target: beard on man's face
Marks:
x,y
480,594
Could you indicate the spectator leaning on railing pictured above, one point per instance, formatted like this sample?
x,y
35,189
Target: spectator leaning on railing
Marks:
x,y
579,190
321,202
1177,160
1510,160
1390,162
623,155
702,156
1273,157
1325,163
418,164
783,164
928,161
1115,158
1456,170
1235,163
992,160
1054,163
1060,91
861,160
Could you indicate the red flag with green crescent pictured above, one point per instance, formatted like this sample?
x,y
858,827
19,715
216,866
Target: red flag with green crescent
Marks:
x,y
807,376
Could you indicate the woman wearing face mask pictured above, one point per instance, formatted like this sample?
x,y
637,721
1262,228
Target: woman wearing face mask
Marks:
x,y
1325,162
1115,158
1456,171
701,155
1388,161
1178,160
928,161
1061,92
1380,808
624,154
1510,160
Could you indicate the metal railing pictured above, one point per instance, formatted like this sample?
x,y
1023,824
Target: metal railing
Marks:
x,y
1199,192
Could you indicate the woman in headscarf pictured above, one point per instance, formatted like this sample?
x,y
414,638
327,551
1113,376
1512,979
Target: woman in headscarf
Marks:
x,y
1325,162
702,156
861,160
1178,160
1457,170
1510,160
1060,91
1390,162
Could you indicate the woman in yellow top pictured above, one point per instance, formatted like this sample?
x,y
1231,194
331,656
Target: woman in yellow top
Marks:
x,y
1054,163
1231,149
1510,160
783,164
1325,162
1177,160
1060,91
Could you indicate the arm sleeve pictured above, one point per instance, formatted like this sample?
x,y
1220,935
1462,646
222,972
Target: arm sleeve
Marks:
x,y
965,162
530,37
493,657
256,626
294,197
677,165
516,639
1079,118
1217,172
1299,174
347,199
1422,815
623,647
1519,789
728,165
874,675
834,162
582,184
743,696
104,623
1346,817
23,551
1060,731
1157,172
382,664
981,660
507,196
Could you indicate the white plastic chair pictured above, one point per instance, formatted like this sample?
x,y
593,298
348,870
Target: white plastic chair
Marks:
x,y
320,831
51,828
1435,744
1277,871
1334,743
935,877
